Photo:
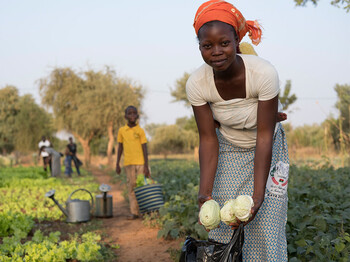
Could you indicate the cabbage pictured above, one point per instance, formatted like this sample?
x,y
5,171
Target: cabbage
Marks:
x,y
242,207
150,181
209,215
227,213
140,180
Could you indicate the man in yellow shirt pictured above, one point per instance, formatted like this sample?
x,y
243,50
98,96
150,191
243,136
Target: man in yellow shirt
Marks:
x,y
132,140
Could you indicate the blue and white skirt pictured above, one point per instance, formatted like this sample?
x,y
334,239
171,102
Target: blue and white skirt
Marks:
x,y
265,235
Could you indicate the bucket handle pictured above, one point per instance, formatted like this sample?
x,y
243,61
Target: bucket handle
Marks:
x,y
83,189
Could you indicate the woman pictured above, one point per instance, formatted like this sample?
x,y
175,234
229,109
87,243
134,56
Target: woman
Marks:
x,y
55,160
239,95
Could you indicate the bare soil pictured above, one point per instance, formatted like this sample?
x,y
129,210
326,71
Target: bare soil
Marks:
x,y
138,243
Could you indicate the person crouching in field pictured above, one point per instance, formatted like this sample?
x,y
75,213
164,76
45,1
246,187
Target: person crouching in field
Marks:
x,y
55,158
132,141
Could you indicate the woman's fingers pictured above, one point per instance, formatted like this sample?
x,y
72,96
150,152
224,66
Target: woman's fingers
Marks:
x,y
202,199
236,224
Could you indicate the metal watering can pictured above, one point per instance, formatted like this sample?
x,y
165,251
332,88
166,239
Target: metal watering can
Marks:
x,y
76,210
104,202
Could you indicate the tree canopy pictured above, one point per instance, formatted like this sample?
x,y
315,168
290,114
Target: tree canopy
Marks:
x,y
343,105
8,110
179,92
22,121
172,139
286,97
345,4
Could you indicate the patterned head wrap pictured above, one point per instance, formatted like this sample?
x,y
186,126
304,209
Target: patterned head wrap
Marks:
x,y
219,10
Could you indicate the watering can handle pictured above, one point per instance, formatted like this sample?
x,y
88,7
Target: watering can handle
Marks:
x,y
83,189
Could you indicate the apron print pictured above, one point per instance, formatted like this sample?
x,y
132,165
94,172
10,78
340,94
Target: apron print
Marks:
x,y
277,181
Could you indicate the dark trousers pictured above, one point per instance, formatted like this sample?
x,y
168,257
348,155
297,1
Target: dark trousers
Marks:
x,y
47,161
68,163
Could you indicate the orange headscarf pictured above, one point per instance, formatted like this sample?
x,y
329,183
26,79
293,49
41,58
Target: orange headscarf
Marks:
x,y
220,10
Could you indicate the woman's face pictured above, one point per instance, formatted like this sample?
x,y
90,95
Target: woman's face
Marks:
x,y
217,44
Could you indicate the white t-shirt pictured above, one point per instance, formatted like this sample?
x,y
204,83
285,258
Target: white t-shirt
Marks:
x,y
238,116
44,143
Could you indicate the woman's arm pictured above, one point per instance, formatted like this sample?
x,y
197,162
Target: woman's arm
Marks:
x,y
208,151
267,113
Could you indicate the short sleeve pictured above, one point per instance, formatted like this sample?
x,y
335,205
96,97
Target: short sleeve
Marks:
x,y
269,87
269,83
120,136
193,92
143,138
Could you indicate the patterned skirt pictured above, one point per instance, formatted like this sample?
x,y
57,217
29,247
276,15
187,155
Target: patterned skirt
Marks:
x,y
265,236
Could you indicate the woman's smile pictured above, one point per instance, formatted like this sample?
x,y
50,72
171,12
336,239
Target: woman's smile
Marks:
x,y
218,63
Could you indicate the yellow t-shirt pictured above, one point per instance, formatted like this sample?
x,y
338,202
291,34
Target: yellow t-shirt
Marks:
x,y
132,139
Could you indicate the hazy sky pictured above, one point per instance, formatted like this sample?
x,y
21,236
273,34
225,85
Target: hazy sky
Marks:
x,y
153,42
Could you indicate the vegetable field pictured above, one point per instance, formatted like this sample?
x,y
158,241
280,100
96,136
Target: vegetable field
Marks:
x,y
31,225
318,226
32,228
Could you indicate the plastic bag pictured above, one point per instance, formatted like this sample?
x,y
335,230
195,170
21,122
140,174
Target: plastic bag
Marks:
x,y
212,251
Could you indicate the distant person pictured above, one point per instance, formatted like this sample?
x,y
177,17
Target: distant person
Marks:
x,y
50,141
55,159
71,154
45,156
132,141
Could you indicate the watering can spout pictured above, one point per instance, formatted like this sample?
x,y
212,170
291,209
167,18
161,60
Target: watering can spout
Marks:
x,y
51,194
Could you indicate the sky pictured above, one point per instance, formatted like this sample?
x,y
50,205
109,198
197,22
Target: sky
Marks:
x,y
153,43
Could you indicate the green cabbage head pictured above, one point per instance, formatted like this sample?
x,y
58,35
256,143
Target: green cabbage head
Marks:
x,y
227,213
242,207
209,215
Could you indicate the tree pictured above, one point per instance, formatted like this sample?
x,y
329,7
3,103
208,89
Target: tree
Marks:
x,y
179,93
152,128
187,123
338,3
22,121
307,136
64,92
8,110
287,99
31,123
343,105
172,139
340,128
89,103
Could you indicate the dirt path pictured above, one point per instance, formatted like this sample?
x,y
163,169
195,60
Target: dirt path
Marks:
x,y
138,243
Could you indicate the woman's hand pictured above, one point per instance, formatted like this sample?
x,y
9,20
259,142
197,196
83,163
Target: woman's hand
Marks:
x,y
202,199
257,204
